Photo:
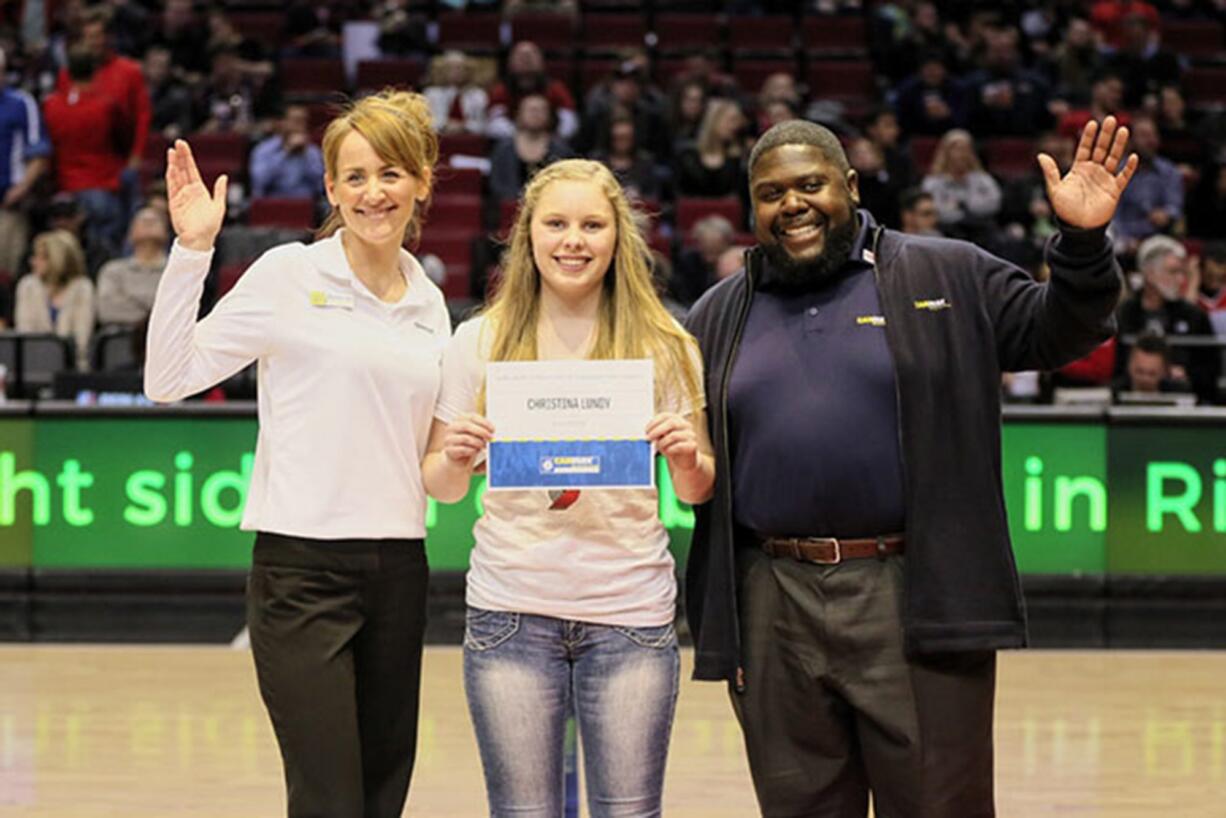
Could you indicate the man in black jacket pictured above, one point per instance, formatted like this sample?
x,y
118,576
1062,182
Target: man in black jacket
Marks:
x,y
852,576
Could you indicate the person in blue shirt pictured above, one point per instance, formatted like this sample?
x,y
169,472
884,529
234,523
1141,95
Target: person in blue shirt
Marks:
x,y
1153,203
24,152
288,164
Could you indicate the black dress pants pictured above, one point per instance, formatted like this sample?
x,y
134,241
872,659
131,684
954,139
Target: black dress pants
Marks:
x,y
336,633
832,709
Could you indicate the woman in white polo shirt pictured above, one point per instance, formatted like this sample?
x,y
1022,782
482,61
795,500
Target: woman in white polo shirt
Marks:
x,y
571,595
348,334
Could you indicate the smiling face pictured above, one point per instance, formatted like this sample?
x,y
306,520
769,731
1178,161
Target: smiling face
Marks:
x,y
799,198
375,198
574,234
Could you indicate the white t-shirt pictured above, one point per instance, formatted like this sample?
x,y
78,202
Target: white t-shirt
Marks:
x,y
604,559
347,384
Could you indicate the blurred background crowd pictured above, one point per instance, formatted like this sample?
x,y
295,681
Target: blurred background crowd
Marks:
x,y
942,109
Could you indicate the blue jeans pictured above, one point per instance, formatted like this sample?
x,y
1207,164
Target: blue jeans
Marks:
x,y
105,221
524,674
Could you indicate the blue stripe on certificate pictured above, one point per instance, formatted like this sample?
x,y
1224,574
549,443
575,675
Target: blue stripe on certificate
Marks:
x,y
538,464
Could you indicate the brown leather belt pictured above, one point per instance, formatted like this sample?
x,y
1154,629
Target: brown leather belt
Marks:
x,y
831,550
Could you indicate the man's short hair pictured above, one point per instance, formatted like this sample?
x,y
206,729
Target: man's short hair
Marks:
x,y
1156,248
96,15
877,112
1107,72
1154,344
911,197
1215,251
801,132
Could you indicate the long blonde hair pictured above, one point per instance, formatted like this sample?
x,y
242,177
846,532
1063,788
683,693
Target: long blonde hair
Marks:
x,y
707,140
631,321
399,126
940,157
65,258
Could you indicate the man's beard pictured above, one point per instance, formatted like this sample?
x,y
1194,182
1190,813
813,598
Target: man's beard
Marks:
x,y
786,274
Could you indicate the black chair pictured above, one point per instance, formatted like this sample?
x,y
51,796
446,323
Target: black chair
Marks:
x,y
112,349
32,359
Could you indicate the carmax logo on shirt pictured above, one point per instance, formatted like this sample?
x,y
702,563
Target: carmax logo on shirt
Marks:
x,y
932,304
571,464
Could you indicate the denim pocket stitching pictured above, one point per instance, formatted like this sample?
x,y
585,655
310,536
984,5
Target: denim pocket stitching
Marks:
x,y
644,637
497,638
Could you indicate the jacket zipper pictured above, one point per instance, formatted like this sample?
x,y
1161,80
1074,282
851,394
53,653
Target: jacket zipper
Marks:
x,y
723,418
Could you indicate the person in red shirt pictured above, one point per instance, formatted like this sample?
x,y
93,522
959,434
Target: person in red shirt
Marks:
x,y
86,126
1208,284
120,78
525,75
1108,16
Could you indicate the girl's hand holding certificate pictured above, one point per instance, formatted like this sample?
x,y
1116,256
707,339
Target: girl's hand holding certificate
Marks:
x,y
466,438
675,438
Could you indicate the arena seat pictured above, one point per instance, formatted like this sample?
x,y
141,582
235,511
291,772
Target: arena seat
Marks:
x,y
770,35
827,35
455,211
467,144
473,32
1194,38
229,274
552,32
843,79
1205,86
303,78
1009,157
687,33
273,211
612,32
454,249
450,180
692,208
922,150
374,75
751,73
218,153
264,27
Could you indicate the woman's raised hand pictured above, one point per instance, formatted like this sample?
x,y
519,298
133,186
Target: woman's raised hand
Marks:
x,y
195,215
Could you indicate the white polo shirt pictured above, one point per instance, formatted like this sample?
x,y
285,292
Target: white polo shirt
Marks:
x,y
347,383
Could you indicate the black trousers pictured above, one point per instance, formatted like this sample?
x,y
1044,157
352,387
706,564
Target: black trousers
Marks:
x,y
832,710
336,632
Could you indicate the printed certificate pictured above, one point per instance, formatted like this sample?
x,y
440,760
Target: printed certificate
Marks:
x,y
570,424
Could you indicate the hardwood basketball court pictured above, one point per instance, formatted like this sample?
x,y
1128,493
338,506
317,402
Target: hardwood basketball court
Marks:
x,y
138,732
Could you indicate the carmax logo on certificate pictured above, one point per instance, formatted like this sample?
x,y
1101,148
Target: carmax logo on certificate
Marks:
x,y
571,464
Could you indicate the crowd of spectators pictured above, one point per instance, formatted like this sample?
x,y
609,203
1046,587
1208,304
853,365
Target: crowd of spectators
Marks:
x,y
961,97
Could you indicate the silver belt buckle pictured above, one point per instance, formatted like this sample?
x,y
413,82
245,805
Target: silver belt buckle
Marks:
x,y
836,558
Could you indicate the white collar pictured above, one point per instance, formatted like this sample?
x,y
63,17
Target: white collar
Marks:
x,y
328,257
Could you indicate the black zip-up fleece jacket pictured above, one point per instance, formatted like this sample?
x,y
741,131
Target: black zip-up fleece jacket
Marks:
x,y
956,317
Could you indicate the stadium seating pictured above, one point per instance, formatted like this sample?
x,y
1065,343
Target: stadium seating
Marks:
x,y
374,75
690,209
280,212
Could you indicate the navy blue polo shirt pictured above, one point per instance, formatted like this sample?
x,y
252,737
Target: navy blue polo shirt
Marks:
x,y
813,410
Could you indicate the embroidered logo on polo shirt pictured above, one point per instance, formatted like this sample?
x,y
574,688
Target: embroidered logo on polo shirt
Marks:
x,y
870,320
933,304
319,298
